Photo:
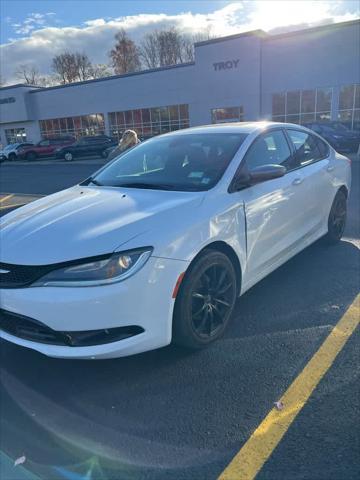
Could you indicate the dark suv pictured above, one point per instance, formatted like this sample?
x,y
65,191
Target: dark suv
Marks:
x,y
46,147
339,136
95,145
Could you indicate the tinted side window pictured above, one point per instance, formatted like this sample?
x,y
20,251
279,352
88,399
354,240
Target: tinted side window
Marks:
x,y
306,146
270,148
323,148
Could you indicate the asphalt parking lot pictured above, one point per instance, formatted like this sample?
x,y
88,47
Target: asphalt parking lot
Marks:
x,y
175,414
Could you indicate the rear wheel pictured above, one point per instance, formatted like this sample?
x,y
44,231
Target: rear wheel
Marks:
x,y
31,156
337,219
205,301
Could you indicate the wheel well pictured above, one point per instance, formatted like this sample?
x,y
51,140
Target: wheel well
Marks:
x,y
344,190
230,253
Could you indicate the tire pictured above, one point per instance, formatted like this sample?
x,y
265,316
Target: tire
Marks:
x,y
31,156
69,157
337,219
12,157
205,301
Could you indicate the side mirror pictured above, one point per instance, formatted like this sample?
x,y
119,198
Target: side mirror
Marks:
x,y
246,177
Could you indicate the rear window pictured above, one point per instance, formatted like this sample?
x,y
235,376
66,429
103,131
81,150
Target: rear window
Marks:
x,y
308,147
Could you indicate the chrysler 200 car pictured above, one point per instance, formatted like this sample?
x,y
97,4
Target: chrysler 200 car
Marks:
x,y
157,245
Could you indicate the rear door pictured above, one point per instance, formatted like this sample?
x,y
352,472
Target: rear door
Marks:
x,y
275,215
316,165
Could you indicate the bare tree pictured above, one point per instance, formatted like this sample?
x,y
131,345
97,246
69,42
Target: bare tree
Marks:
x,y
101,70
84,66
72,67
169,47
125,54
149,50
29,74
189,41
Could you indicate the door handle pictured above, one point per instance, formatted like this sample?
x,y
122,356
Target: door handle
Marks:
x,y
330,168
297,181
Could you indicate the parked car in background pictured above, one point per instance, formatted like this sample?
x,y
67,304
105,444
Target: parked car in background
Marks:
x,y
339,136
107,152
92,145
11,151
46,147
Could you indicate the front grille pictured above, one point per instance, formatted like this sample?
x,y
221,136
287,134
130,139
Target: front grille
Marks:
x,y
35,331
20,275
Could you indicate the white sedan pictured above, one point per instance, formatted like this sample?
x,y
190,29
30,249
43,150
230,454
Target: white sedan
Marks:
x,y
157,245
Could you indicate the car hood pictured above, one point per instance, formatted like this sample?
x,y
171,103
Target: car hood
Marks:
x,y
87,221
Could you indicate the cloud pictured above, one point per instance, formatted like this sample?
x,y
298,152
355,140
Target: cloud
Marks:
x,y
40,42
32,22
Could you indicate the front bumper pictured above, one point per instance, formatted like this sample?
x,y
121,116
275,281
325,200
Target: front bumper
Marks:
x,y
144,300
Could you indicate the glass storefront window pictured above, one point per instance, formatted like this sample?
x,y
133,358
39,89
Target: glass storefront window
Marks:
x,y
278,104
150,121
293,118
349,106
76,126
227,114
308,101
323,99
357,96
15,135
323,116
302,106
346,97
307,117
293,102
184,111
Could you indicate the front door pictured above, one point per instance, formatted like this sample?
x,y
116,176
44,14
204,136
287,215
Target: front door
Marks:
x,y
276,220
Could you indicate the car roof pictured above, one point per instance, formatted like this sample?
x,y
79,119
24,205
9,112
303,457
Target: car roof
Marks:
x,y
235,127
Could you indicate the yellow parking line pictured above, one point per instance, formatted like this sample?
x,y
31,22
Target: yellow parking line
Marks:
x,y
252,456
7,197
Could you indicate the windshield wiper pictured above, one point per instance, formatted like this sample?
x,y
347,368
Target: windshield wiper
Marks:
x,y
92,180
150,186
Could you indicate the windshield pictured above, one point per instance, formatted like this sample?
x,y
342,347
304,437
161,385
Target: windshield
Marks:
x,y
188,162
11,146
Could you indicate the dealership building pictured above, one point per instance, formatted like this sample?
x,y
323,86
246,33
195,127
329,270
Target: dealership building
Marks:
x,y
298,77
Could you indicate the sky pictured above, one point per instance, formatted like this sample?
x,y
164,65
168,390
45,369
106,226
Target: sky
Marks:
x,y
33,31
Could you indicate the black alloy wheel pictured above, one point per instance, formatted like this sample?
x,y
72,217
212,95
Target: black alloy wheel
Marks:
x,y
337,219
12,157
205,301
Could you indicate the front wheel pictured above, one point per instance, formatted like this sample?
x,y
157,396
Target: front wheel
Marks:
x,y
12,157
205,301
69,157
337,219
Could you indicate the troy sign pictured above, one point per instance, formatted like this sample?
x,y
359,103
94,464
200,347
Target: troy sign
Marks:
x,y
226,65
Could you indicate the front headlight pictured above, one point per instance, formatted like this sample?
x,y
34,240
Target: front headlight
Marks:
x,y
116,268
